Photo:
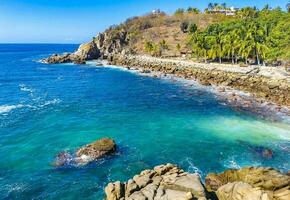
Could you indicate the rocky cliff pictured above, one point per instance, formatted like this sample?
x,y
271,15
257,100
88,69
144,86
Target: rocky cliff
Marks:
x,y
102,46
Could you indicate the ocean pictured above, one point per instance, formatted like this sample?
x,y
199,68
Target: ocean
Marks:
x,y
46,109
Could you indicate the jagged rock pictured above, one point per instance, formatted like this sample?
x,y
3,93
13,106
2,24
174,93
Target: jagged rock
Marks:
x,y
95,150
164,182
87,51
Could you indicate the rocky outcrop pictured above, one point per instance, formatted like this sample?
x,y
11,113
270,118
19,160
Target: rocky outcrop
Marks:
x,y
249,183
168,182
270,84
87,153
95,150
164,182
102,46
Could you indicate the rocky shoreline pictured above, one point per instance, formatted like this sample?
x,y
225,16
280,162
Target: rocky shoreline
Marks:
x,y
264,91
168,182
267,83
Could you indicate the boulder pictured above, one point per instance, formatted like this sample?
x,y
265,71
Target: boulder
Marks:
x,y
250,183
95,150
166,182
266,178
242,191
87,51
87,153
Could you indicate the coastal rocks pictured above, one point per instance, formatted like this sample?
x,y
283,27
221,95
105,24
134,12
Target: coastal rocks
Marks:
x,y
95,150
55,58
103,46
87,153
254,80
87,51
166,182
249,183
242,191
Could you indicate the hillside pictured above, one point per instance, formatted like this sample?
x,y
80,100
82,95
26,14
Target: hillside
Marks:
x,y
156,27
248,36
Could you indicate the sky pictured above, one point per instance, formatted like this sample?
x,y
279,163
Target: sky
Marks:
x,y
77,21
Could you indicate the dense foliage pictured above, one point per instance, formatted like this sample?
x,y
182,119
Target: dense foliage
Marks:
x,y
252,36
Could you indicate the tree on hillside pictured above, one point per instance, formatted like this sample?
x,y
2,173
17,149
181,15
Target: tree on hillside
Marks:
x,y
224,5
210,6
193,10
179,11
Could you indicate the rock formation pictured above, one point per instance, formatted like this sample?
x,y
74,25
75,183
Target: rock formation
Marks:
x,y
87,153
168,182
95,150
250,183
102,46
164,182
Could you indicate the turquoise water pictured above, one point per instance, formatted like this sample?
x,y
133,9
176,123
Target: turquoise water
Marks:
x,y
45,109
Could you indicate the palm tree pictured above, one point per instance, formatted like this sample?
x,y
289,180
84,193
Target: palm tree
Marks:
x,y
255,38
224,5
210,6
216,47
231,44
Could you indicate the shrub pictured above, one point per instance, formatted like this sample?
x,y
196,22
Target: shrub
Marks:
x,y
192,28
184,26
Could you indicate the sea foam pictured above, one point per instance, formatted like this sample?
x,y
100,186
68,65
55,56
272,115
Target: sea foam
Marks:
x,y
7,108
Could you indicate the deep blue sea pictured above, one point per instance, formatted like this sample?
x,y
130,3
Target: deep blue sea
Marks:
x,y
46,109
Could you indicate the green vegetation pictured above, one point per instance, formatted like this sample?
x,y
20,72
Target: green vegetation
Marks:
x,y
252,36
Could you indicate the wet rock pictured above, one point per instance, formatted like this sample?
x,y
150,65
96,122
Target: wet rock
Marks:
x,y
163,182
95,150
87,153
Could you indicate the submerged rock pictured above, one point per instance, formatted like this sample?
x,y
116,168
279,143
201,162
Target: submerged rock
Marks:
x,y
163,182
87,153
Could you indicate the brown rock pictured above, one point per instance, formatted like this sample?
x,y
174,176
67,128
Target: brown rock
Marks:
x,y
95,150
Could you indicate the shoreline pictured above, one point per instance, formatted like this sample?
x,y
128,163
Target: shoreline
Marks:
x,y
234,86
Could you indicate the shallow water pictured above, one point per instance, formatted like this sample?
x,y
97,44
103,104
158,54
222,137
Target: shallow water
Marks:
x,y
45,109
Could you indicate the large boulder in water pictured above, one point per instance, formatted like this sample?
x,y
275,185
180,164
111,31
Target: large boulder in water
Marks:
x,y
95,150
163,182
87,153
252,182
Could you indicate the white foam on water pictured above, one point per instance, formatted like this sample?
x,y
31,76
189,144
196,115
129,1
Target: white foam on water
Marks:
x,y
25,88
7,108
50,102
192,168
